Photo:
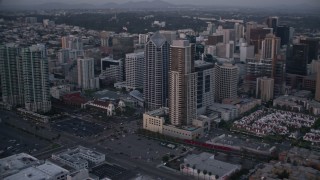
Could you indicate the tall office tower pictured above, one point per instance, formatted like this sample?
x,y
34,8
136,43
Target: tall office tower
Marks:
x,y
122,45
313,45
71,42
230,49
279,76
246,52
86,79
317,93
270,47
215,39
135,70
273,22
226,81
256,69
297,60
169,35
156,72
250,25
112,69
205,83
283,32
11,75
36,78
264,89
143,38
182,83
257,36
238,31
211,28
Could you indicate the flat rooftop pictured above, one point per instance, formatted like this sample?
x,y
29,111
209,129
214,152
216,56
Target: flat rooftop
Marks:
x,y
240,142
206,161
14,163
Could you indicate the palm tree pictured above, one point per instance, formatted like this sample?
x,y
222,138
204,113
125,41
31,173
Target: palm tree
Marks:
x,y
198,171
182,168
193,167
217,177
204,173
210,173
188,165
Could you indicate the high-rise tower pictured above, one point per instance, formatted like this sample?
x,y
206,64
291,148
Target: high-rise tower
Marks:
x,y
182,83
156,72
35,78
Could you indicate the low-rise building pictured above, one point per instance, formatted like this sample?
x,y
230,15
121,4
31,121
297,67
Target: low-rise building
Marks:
x,y
79,158
58,91
209,167
155,121
15,163
243,105
227,112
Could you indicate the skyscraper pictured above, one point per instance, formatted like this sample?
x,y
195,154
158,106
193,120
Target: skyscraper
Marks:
x,y
205,83
156,72
86,79
270,47
11,75
297,60
35,78
264,89
182,83
273,22
226,81
313,45
283,32
135,69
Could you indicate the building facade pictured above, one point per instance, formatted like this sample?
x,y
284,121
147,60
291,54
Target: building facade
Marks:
x,y
226,81
35,78
182,83
86,79
264,89
112,69
134,65
156,72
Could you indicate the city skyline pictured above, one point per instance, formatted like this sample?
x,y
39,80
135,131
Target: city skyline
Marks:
x,y
234,3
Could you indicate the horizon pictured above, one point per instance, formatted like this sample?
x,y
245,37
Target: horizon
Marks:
x,y
233,3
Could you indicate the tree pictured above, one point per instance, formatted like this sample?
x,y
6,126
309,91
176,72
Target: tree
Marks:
x,y
204,173
193,167
188,165
210,173
198,171
182,168
165,158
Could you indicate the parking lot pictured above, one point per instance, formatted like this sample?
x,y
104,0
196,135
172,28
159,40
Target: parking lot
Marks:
x,y
109,171
13,141
78,127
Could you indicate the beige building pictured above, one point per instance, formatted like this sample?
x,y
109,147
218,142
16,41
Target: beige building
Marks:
x,y
226,81
264,88
182,83
155,121
317,94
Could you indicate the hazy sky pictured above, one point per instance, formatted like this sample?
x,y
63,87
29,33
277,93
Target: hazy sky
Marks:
x,y
198,2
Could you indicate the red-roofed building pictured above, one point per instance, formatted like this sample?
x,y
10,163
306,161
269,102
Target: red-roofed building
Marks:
x,y
74,99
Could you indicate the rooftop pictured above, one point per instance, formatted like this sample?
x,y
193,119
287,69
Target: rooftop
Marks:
x,y
206,161
14,163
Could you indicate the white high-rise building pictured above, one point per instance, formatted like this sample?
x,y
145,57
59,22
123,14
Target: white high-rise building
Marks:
x,y
226,81
112,69
11,75
238,31
246,52
71,42
36,78
134,70
86,79
143,38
